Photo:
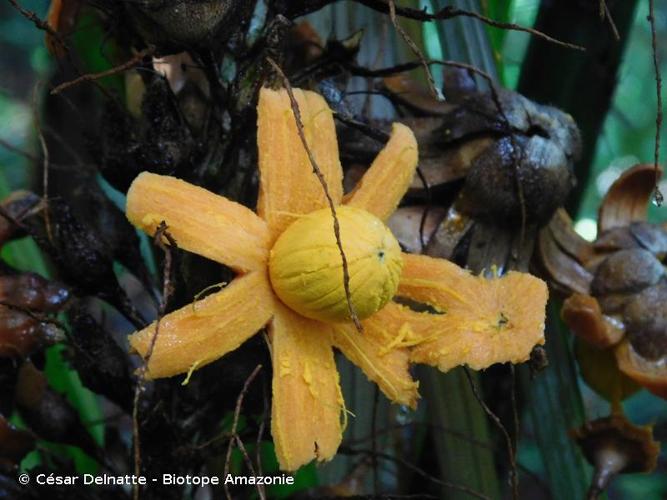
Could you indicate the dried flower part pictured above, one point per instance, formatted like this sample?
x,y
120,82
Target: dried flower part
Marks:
x,y
383,185
101,363
292,190
629,303
406,225
563,270
83,258
490,186
627,271
561,229
614,239
441,166
600,371
224,231
14,444
379,352
306,268
583,316
304,46
307,408
649,374
627,198
645,317
638,234
22,334
407,92
451,231
206,330
484,321
545,141
31,291
613,445
651,237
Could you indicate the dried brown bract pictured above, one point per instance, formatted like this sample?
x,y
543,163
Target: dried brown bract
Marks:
x,y
500,163
615,446
616,287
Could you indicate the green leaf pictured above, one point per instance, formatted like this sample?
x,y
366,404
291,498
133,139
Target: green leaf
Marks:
x,y
452,406
555,407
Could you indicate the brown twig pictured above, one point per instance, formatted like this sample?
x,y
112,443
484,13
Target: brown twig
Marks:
x,y
605,13
167,290
429,76
658,90
450,12
233,432
92,77
39,23
508,440
323,182
45,164
248,462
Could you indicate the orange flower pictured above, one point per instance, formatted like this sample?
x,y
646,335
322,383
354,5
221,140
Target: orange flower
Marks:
x,y
481,322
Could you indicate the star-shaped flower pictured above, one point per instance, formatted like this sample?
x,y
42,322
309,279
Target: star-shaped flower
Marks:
x,y
472,320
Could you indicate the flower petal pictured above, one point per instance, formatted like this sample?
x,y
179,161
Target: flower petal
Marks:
x,y
288,185
200,333
383,185
485,321
380,352
307,400
200,221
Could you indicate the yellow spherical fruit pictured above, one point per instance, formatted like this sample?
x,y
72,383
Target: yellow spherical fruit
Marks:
x,y
306,268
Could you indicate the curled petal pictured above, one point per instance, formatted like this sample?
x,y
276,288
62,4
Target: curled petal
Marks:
x,y
583,316
483,321
307,400
288,185
628,197
649,374
200,221
381,351
206,330
383,185
562,269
